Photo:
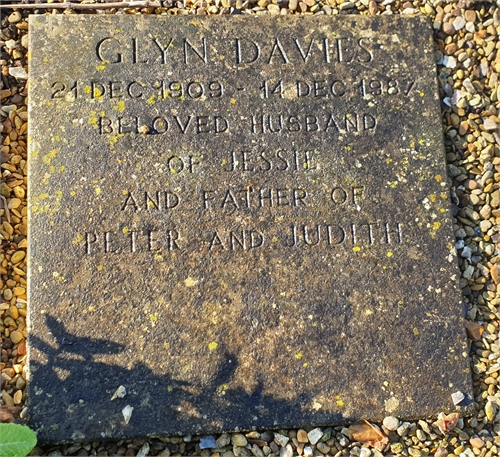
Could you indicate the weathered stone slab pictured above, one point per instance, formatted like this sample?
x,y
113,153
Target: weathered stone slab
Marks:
x,y
243,221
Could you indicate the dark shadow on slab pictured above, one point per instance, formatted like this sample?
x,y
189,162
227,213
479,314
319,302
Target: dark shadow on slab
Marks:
x,y
74,392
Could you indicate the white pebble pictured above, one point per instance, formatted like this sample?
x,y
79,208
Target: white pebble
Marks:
x,y
365,452
489,124
315,435
18,72
281,440
457,397
144,451
470,27
127,413
391,423
459,23
286,451
120,393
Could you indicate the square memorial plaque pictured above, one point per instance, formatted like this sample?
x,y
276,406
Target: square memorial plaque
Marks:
x,y
243,221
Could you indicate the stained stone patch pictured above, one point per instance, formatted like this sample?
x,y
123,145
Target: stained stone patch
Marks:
x,y
237,222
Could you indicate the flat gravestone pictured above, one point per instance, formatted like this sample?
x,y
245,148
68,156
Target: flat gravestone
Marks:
x,y
243,221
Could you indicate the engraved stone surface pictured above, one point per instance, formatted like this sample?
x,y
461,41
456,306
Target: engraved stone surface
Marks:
x,y
243,221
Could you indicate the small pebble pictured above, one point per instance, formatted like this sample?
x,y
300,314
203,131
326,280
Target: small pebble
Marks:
x,y
127,413
302,436
315,435
457,397
286,451
391,423
365,452
281,440
14,17
207,442
324,448
223,440
239,440
16,336
448,28
477,443
459,23
308,451
18,73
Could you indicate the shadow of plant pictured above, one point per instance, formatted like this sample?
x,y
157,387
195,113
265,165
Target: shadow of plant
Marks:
x,y
73,393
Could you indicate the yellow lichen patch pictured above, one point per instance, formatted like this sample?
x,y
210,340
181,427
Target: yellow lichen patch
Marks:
x,y
421,142
432,197
390,254
339,401
388,160
93,120
97,92
62,168
125,230
51,155
151,100
223,387
153,318
87,89
166,346
436,225
367,312
58,277
190,282
170,388
347,148
233,101
100,268
298,355
91,309
305,364
72,193
101,67
98,191
416,332
213,346
356,249
120,106
392,184
438,178
422,94
158,257
34,154
78,239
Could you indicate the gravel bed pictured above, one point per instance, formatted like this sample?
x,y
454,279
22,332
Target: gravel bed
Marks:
x,y
467,51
